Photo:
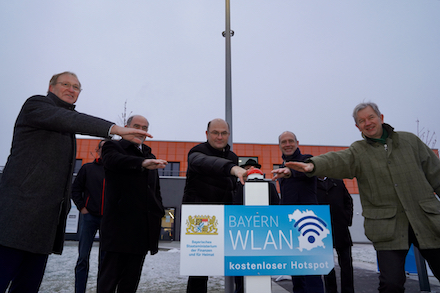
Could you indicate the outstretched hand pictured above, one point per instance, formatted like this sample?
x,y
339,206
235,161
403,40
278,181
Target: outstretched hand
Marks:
x,y
133,134
152,164
240,173
300,166
281,173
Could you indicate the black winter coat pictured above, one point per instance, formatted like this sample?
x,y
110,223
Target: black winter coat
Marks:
x,y
88,187
334,193
37,179
133,207
208,178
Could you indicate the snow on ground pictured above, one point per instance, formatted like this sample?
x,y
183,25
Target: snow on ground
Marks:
x,y
159,274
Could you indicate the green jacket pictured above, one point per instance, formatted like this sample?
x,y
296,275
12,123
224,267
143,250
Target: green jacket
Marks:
x,y
396,183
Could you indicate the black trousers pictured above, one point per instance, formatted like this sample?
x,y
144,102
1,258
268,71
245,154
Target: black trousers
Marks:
x,y
120,271
21,269
307,284
197,284
392,266
345,261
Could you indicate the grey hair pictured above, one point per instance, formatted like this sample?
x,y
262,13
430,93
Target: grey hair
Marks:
x,y
362,106
294,136
53,81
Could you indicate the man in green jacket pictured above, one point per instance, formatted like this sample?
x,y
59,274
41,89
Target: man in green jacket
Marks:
x,y
398,176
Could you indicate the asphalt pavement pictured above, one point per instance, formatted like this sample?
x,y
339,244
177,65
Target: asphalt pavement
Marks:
x,y
366,277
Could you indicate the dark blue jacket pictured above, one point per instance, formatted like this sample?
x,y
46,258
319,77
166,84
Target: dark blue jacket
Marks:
x,y
297,189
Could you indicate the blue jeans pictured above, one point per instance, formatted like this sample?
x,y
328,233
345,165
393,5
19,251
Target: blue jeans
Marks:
x,y
88,226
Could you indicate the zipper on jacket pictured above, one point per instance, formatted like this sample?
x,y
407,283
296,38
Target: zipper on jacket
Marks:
x,y
386,147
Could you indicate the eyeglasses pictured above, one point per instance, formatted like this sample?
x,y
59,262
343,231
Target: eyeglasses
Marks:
x,y
137,126
67,85
216,133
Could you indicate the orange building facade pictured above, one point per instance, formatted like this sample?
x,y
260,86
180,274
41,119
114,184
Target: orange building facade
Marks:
x,y
267,155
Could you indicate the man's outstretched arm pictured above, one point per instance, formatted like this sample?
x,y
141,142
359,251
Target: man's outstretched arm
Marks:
x,y
300,166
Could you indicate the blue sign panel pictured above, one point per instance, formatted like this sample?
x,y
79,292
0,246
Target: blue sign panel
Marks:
x,y
277,240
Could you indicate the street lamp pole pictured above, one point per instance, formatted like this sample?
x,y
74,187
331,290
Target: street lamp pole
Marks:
x,y
228,33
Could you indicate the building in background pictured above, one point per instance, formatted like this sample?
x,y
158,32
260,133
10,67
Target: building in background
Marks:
x,y
173,178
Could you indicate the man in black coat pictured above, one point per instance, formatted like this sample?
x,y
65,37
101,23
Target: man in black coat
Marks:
x,y
133,210
37,179
334,193
211,178
297,189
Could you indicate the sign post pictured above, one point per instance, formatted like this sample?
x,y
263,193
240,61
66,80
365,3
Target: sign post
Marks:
x,y
257,193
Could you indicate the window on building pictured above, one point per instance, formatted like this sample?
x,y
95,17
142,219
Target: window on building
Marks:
x,y
243,160
172,169
167,230
78,164
276,166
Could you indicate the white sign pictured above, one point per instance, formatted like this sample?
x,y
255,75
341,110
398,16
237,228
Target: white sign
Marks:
x,y
202,240
237,240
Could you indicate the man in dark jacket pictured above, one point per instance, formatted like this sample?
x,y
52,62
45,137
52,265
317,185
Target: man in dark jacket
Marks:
x,y
37,178
88,196
211,178
133,210
297,189
334,193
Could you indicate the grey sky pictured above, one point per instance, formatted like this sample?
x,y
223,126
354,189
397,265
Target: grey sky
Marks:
x,y
296,65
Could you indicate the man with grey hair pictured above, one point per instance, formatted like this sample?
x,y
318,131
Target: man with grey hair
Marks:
x,y
297,189
398,176
36,182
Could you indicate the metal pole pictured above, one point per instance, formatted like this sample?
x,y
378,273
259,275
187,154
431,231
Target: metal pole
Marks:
x,y
421,271
229,281
227,34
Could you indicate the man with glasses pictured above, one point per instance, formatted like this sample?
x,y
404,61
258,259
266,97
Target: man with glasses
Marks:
x,y
88,196
133,210
211,178
36,181
398,177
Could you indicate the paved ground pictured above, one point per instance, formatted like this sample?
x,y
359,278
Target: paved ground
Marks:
x,y
161,272
366,281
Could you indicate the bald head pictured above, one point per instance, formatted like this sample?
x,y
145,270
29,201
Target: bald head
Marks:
x,y
217,133
138,122
288,143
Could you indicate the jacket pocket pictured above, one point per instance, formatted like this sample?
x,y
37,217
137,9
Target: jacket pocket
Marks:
x,y
431,208
380,223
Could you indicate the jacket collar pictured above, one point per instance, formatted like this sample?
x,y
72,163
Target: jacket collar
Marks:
x,y
59,102
217,152
128,144
292,157
98,161
391,135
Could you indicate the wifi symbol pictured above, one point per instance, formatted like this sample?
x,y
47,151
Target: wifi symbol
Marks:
x,y
306,226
